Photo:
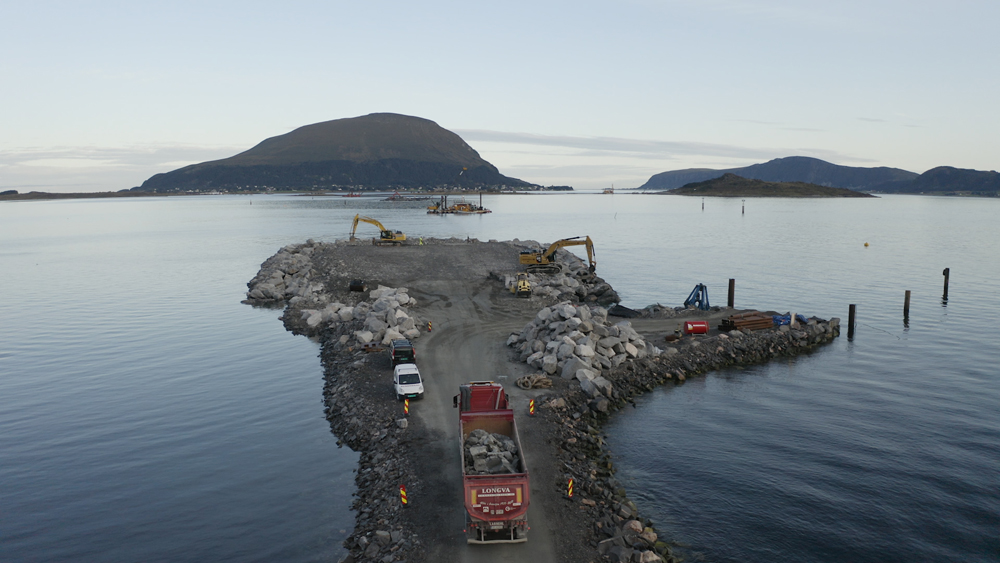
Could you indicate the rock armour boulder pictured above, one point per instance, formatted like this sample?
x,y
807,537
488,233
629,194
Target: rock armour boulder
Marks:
x,y
290,276
576,341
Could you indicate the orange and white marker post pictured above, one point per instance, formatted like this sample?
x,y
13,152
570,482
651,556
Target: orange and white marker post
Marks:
x,y
569,490
402,495
406,406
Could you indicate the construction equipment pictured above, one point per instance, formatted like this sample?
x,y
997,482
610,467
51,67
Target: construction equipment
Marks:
x,y
543,261
521,286
698,298
385,237
494,474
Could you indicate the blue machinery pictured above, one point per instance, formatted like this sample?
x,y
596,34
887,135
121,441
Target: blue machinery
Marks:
x,y
698,297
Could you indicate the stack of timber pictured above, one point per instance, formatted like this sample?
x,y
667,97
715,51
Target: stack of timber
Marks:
x,y
751,320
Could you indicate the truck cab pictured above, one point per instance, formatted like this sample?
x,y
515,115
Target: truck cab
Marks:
x,y
407,382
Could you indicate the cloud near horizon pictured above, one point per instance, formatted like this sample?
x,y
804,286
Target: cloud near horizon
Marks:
x,y
61,169
647,149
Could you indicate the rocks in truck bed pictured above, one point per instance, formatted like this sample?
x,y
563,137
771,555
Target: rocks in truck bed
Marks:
x,y
490,454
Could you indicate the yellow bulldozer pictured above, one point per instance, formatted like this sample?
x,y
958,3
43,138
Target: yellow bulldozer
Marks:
x,y
386,236
521,286
543,261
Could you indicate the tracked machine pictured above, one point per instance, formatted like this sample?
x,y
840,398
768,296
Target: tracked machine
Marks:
x,y
386,236
543,261
521,286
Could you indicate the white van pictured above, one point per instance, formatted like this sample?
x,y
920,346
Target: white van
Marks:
x,y
407,381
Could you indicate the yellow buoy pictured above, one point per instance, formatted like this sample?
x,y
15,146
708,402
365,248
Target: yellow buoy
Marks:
x,y
866,244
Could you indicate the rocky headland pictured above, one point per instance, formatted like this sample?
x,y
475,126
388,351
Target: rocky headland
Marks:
x,y
452,298
731,185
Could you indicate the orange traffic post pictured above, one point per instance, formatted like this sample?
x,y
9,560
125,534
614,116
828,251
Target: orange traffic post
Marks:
x,y
429,326
406,406
569,490
402,495
531,408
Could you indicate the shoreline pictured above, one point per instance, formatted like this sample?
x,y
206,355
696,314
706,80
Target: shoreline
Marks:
x,y
564,439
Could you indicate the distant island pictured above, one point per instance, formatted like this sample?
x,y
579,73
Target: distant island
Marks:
x,y
789,169
731,185
943,180
380,151
947,180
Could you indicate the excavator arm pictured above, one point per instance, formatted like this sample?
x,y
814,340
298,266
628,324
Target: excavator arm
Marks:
x,y
543,261
385,234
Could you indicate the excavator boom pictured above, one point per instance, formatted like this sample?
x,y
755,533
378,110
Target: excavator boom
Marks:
x,y
543,261
386,236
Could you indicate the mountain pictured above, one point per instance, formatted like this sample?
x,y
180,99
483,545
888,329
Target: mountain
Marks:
x,y
946,180
731,185
790,169
376,151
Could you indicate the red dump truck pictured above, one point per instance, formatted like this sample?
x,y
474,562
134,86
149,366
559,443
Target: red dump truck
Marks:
x,y
494,474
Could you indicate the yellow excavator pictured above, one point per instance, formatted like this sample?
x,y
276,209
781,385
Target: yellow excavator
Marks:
x,y
385,237
543,261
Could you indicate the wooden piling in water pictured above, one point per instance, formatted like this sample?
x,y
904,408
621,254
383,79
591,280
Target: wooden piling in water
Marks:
x,y
906,305
732,293
850,321
946,273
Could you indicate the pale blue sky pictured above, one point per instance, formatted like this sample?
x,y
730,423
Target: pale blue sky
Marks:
x,y
101,95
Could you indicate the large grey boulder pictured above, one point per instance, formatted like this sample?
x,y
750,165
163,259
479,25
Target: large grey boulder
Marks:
x,y
391,335
373,324
565,350
535,360
573,364
550,364
543,315
603,385
314,319
631,349
381,291
361,310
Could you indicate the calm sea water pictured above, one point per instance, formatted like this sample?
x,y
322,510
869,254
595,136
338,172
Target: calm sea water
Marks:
x,y
148,415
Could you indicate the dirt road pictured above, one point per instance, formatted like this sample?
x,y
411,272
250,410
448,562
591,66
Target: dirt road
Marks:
x,y
471,322
471,317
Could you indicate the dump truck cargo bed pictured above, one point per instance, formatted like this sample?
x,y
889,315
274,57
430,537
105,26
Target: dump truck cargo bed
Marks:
x,y
494,473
